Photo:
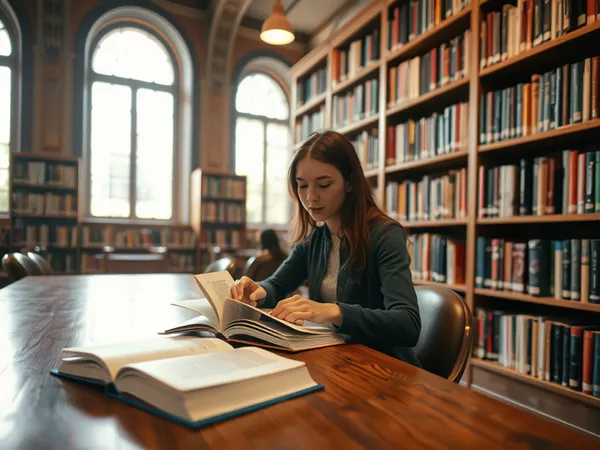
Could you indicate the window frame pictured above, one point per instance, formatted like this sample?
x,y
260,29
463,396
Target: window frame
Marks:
x,y
264,121
12,62
174,89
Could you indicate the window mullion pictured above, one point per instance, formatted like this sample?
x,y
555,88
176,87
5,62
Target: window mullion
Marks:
x,y
133,154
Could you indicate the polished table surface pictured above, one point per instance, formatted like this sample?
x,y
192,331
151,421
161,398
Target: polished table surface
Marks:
x,y
370,400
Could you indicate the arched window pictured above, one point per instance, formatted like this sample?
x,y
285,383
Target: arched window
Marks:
x,y
132,101
262,150
7,108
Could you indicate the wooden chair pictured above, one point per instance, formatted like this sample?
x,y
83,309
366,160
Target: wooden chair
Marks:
x,y
41,262
18,265
446,332
225,263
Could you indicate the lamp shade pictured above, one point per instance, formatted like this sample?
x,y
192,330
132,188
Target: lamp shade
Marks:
x,y
277,30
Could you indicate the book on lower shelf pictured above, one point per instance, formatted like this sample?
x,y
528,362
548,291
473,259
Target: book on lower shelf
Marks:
x,y
557,350
239,322
437,258
190,380
567,269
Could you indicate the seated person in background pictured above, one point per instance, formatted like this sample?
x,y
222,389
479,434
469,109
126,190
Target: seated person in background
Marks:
x,y
265,265
357,265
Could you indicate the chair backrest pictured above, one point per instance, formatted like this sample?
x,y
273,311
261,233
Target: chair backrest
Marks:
x,y
446,332
248,263
18,265
221,264
41,262
262,268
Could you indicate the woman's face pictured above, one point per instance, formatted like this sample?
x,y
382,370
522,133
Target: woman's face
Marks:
x,y
321,188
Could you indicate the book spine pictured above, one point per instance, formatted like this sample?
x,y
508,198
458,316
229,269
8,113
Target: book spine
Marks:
x,y
590,160
575,359
594,287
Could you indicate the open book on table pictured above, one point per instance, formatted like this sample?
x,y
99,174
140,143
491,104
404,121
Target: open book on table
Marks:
x,y
191,380
237,321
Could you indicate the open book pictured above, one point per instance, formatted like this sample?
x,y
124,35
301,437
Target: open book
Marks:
x,y
190,380
237,321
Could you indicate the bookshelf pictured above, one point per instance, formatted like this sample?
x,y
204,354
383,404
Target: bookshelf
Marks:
x,y
44,207
218,213
407,111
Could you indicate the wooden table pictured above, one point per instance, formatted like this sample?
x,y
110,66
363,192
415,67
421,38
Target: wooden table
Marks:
x,y
370,400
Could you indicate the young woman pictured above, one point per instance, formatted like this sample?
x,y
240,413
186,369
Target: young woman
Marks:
x,y
264,266
356,265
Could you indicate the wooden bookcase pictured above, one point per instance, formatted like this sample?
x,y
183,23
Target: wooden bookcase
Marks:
x,y
218,213
567,405
43,209
43,213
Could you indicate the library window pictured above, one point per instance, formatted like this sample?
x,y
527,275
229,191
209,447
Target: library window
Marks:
x,y
262,147
6,110
133,105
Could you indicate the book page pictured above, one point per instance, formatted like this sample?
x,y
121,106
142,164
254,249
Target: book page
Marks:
x,y
234,310
216,288
115,356
201,306
201,371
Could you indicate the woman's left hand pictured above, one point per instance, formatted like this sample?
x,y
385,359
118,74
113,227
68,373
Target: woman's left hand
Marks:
x,y
297,309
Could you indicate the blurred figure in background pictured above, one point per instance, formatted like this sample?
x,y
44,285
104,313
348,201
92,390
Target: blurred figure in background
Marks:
x,y
273,255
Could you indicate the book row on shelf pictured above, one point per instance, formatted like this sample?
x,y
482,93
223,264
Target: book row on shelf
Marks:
x,y
231,213
437,134
313,85
567,182
44,235
521,27
346,62
44,204
229,239
45,173
437,68
309,123
222,187
565,269
552,349
567,95
100,236
360,102
366,144
437,258
409,20
430,198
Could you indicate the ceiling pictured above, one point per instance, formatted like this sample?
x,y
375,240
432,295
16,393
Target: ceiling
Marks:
x,y
306,15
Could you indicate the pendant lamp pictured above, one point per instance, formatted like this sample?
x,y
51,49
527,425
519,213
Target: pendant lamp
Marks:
x,y
277,30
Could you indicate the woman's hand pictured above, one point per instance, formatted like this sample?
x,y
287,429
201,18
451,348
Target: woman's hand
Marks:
x,y
297,309
247,291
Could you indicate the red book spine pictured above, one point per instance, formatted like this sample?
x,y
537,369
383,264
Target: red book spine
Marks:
x,y
572,206
481,190
587,362
550,185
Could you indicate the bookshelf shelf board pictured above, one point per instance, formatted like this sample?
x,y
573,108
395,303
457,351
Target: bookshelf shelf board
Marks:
x,y
311,104
548,301
547,55
435,162
566,132
43,216
452,93
439,223
548,218
370,173
360,75
454,287
46,157
445,31
511,373
359,125
45,187
210,198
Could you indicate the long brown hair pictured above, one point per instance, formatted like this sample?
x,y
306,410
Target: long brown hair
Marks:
x,y
359,207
